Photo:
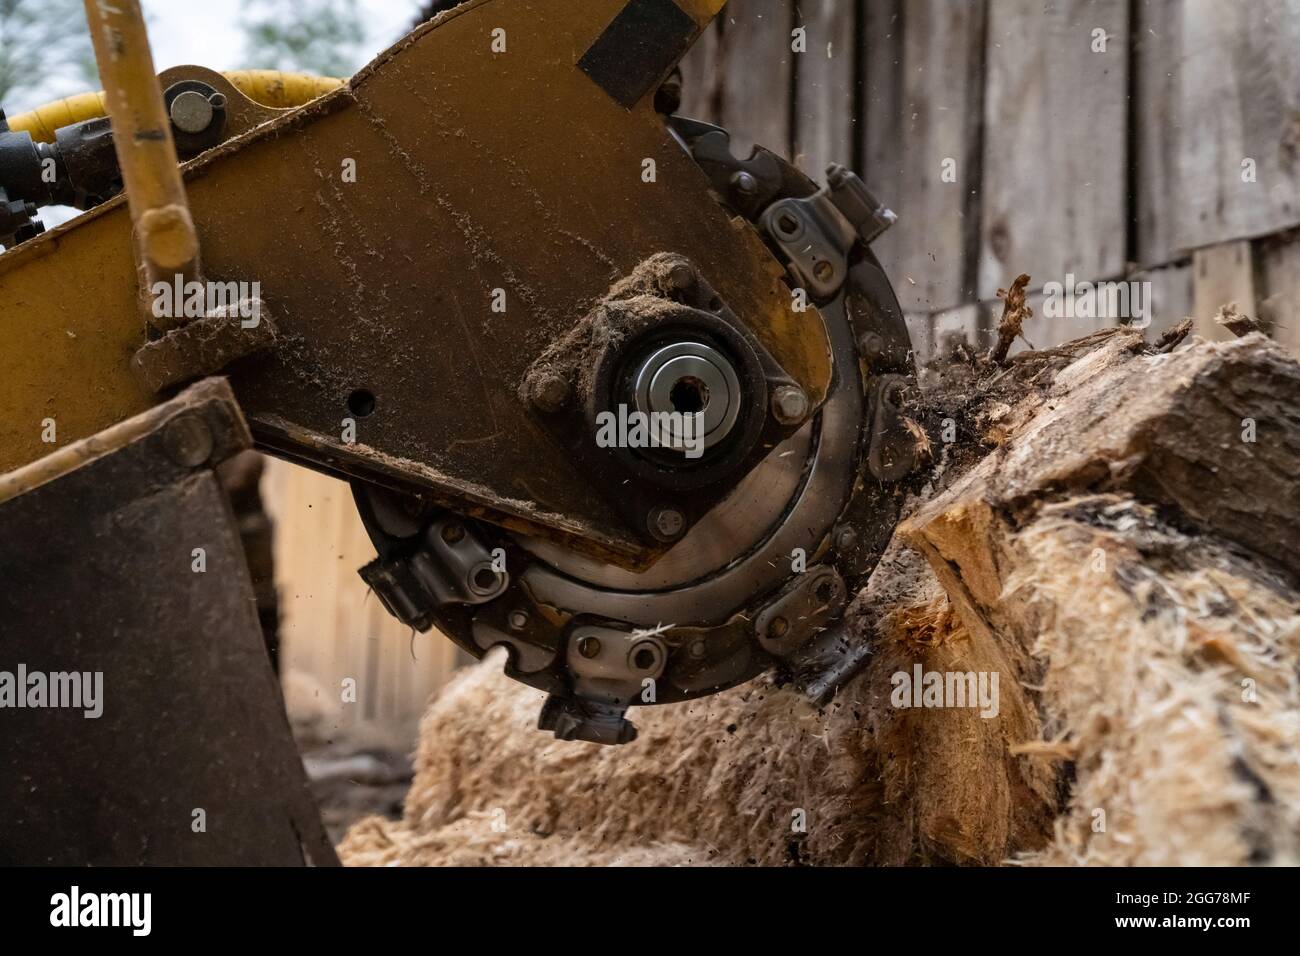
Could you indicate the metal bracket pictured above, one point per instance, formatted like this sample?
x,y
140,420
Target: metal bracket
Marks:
x,y
204,346
806,605
818,233
451,565
891,455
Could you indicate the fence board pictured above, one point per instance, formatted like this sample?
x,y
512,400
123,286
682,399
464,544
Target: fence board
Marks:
x,y
825,77
1054,158
881,42
1238,99
1222,275
934,182
332,628
757,69
1156,62
1279,263
700,77
1170,296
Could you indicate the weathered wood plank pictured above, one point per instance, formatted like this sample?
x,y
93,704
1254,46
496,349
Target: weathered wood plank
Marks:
x,y
1279,266
1053,326
1156,61
1168,292
933,180
1238,109
700,77
825,78
333,629
1222,275
882,96
757,68
1054,157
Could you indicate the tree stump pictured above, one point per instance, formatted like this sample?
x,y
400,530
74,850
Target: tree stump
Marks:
x,y
1111,528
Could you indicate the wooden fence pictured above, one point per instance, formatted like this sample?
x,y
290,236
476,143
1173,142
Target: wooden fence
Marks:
x,y
1157,140
332,630
1152,140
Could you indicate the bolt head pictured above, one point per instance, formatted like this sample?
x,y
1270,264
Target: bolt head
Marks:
x,y
518,620
682,276
187,441
644,656
453,533
871,346
778,627
666,523
549,391
745,183
845,538
192,112
790,405
589,647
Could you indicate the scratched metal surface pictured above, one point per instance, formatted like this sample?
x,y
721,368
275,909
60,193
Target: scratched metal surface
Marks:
x,y
475,172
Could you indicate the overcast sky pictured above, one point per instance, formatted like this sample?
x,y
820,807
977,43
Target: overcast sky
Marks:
x,y
206,33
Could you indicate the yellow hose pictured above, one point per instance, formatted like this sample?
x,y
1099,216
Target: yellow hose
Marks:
x,y
281,90
267,87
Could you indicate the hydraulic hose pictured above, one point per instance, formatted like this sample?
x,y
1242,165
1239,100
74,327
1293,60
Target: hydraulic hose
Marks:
x,y
271,88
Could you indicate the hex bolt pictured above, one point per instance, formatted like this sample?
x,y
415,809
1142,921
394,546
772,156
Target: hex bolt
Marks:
x,y
453,533
778,627
644,656
745,183
549,391
589,647
666,523
187,440
681,277
845,538
192,112
790,405
698,649
871,346
483,579
518,620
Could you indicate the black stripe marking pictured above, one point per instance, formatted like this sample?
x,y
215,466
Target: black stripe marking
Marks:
x,y
638,49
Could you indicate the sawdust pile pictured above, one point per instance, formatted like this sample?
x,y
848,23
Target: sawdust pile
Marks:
x,y
1149,667
707,782
751,776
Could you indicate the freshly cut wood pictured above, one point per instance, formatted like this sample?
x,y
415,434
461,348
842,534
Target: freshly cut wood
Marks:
x,y
1106,557
1136,534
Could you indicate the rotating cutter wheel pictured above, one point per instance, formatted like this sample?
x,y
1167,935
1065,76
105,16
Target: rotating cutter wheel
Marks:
x,y
757,575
